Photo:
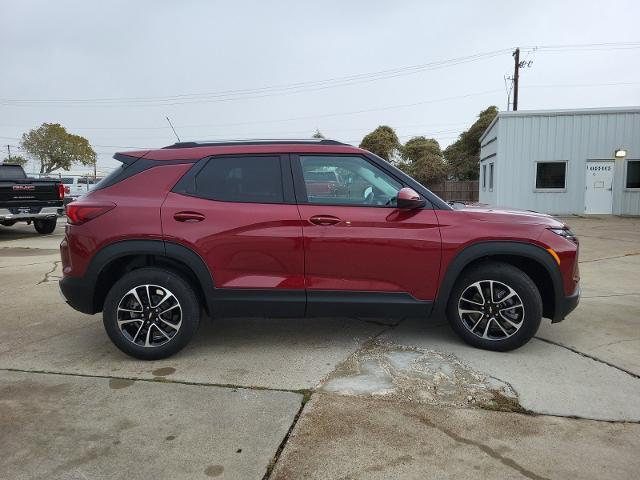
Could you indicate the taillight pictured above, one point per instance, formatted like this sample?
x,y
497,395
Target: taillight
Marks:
x,y
61,191
79,213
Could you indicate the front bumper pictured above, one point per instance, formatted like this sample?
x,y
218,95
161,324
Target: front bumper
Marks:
x,y
566,305
45,212
77,292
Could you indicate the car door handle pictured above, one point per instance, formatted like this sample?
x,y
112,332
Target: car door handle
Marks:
x,y
190,217
324,220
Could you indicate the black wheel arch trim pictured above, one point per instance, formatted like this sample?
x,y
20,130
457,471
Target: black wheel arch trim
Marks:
x,y
81,293
480,250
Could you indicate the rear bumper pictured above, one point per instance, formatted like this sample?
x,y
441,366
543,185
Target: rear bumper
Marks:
x,y
566,305
45,212
78,293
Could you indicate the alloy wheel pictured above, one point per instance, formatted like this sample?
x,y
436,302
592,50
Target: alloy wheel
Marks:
x,y
149,315
491,310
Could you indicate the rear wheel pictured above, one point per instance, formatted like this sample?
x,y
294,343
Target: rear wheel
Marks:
x,y
45,226
151,313
495,306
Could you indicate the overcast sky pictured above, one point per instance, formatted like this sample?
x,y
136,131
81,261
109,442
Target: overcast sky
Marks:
x,y
112,70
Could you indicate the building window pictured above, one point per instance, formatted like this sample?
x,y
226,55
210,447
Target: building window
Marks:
x,y
491,177
551,175
484,177
633,174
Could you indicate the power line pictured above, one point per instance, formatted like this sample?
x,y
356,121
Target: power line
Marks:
x,y
301,87
260,92
353,112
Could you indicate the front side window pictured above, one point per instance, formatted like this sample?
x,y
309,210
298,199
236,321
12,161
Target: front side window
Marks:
x,y
633,174
343,180
255,179
551,175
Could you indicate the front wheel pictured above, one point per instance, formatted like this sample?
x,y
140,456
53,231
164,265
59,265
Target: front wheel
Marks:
x,y
45,226
151,313
495,306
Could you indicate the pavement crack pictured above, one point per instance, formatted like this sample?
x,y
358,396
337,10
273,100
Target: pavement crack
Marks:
x,y
24,265
303,392
612,295
272,464
508,462
596,359
610,258
50,272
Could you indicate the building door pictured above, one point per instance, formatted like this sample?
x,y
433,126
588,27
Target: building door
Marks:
x,y
599,187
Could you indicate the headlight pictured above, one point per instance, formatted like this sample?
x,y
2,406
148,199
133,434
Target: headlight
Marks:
x,y
566,233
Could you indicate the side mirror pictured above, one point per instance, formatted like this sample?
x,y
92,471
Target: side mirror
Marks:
x,y
409,199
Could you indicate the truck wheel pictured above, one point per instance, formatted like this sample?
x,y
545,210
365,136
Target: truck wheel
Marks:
x,y
151,313
495,306
45,226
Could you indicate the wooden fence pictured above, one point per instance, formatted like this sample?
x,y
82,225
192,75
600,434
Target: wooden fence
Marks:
x,y
463,190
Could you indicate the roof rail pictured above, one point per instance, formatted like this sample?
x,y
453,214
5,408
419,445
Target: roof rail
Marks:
x,y
223,143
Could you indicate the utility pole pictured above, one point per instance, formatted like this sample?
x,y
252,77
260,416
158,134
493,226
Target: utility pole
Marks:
x,y
9,150
516,76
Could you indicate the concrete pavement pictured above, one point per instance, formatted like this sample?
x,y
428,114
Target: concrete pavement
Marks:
x,y
70,427
387,401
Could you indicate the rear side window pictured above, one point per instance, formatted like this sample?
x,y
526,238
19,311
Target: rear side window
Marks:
x,y
241,179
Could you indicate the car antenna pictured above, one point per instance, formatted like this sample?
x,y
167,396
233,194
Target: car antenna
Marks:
x,y
174,130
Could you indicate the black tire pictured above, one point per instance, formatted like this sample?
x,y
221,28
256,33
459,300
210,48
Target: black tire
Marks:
x,y
45,226
507,276
184,294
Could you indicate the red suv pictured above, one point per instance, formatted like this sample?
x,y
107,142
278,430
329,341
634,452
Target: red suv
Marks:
x,y
240,229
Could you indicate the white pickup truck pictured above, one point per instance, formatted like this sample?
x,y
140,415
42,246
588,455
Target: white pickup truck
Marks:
x,y
76,186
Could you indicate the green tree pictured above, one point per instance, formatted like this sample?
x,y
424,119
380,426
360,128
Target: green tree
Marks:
x,y
55,148
15,160
318,134
383,141
422,159
463,156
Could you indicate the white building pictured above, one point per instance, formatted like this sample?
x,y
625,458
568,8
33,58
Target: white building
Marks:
x,y
563,161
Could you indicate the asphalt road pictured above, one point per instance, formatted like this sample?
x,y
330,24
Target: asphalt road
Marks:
x,y
386,399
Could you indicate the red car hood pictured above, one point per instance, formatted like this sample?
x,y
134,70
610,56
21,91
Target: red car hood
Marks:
x,y
510,215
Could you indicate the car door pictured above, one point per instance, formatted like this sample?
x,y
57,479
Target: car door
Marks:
x,y
362,254
239,214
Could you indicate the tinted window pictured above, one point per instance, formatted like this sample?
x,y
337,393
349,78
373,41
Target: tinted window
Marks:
x,y
633,174
11,172
241,179
67,180
484,176
342,180
550,174
112,177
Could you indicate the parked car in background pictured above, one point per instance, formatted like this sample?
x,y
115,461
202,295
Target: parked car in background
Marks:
x,y
24,199
253,229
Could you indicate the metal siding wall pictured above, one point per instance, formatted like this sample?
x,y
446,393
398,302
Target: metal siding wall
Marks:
x,y
485,196
575,138
627,202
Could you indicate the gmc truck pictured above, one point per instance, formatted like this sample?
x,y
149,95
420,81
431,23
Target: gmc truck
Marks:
x,y
24,199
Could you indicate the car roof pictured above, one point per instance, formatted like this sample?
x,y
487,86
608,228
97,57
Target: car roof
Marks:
x,y
197,150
